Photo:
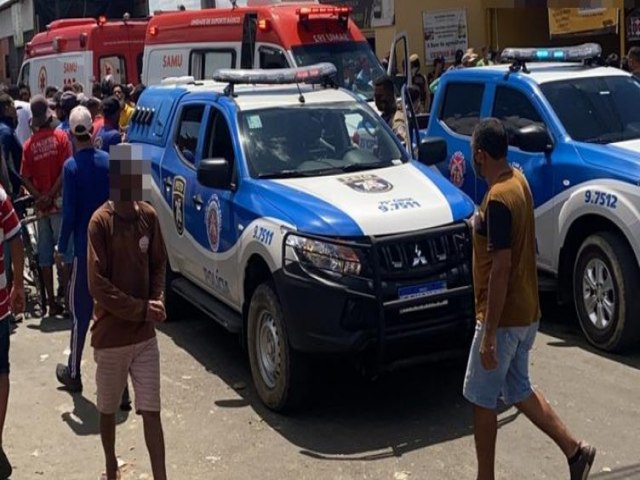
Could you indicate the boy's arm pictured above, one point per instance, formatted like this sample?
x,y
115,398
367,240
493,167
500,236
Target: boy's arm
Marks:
x,y
104,292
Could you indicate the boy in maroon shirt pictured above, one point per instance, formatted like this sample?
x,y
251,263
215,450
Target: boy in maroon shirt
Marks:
x,y
126,273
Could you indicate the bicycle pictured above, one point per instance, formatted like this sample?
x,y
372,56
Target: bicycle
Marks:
x,y
24,207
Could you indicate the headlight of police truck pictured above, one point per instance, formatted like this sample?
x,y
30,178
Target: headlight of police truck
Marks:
x,y
333,259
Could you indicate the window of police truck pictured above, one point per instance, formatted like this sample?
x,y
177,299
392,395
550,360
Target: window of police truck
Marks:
x,y
309,141
357,65
597,109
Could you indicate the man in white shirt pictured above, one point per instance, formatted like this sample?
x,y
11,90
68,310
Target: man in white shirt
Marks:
x,y
23,112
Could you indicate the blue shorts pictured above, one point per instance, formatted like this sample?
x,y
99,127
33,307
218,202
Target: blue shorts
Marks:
x,y
5,333
48,235
511,378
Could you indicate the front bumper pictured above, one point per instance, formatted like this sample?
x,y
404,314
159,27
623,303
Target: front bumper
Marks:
x,y
371,315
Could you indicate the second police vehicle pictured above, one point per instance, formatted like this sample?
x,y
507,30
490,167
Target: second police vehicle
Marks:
x,y
282,228
575,134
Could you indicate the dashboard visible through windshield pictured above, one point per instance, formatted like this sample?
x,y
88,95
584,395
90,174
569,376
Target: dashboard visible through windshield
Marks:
x,y
316,140
597,109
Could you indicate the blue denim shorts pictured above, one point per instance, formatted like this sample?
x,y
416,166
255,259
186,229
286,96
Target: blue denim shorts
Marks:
x,y
511,378
48,235
5,333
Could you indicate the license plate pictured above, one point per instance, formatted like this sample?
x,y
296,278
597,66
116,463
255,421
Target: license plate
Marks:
x,y
422,291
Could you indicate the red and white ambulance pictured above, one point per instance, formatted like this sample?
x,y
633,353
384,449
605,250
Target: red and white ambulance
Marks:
x,y
84,50
262,34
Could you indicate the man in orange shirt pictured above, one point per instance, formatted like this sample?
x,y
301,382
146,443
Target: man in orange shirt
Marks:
x,y
43,157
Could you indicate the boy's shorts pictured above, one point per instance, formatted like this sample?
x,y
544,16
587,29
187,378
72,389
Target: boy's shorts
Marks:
x,y
114,365
511,378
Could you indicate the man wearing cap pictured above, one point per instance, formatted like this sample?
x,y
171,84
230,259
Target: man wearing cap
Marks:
x,y
43,156
85,188
420,81
110,132
94,105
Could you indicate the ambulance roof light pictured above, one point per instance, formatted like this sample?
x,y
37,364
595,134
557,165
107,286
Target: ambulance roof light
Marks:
x,y
317,73
305,13
579,53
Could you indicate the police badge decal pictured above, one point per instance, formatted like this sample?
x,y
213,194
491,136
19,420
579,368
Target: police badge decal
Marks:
x,y
179,188
213,219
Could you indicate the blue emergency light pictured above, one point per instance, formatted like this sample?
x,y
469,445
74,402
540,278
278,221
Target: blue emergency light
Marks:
x,y
318,73
578,53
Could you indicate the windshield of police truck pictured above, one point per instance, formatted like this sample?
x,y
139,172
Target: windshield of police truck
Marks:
x,y
357,65
316,140
597,109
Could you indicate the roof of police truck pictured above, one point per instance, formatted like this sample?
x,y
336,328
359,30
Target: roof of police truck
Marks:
x,y
547,72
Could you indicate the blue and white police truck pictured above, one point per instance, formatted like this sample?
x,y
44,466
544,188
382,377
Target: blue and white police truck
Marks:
x,y
575,134
284,229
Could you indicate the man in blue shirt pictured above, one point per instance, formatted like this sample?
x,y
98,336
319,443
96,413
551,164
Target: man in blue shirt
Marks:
x,y
68,101
85,188
109,134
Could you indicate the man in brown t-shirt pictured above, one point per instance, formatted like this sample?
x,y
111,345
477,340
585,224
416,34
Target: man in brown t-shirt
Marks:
x,y
507,307
126,273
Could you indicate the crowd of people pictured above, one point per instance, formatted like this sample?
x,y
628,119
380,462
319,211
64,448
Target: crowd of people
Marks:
x,y
55,148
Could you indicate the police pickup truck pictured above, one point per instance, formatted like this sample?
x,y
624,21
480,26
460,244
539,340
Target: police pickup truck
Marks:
x,y
575,134
283,229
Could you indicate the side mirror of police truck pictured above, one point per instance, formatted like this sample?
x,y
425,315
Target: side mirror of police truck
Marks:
x,y
533,139
432,151
215,173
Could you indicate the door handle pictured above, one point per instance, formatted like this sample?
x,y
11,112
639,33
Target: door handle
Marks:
x,y
197,199
168,182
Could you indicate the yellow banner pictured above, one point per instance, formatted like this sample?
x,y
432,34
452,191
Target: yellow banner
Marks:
x,y
568,21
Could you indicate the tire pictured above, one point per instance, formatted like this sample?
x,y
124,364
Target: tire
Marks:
x,y
604,278
279,376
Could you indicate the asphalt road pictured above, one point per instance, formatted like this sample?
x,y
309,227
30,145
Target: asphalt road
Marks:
x,y
412,424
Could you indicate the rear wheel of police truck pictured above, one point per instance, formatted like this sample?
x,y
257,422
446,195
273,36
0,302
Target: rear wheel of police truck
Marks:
x,y
277,370
605,278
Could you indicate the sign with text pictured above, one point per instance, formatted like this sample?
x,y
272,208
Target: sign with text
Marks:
x,y
571,21
445,31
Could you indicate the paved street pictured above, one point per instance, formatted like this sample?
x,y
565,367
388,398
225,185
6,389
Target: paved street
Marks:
x,y
409,425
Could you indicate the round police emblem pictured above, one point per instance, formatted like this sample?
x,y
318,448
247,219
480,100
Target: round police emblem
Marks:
x,y
213,219
457,169
367,183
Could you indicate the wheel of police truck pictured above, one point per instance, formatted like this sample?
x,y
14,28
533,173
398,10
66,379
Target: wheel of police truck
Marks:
x,y
605,278
276,369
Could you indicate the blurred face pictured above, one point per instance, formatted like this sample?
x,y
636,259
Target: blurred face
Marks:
x,y
24,95
633,63
478,160
129,180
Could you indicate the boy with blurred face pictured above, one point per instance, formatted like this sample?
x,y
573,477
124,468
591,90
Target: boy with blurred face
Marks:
x,y
126,265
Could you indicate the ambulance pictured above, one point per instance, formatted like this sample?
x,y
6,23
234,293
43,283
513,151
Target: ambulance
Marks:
x,y
84,50
263,34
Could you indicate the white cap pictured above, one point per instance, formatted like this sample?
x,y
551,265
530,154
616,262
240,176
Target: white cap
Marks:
x,y
80,121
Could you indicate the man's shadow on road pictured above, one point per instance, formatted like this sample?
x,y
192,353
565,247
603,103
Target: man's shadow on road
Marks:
x,y
84,420
51,324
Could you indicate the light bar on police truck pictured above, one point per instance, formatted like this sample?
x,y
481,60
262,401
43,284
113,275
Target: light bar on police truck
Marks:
x,y
317,73
587,51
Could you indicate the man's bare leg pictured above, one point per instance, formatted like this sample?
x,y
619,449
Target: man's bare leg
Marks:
x,y
47,277
485,431
538,410
108,436
154,438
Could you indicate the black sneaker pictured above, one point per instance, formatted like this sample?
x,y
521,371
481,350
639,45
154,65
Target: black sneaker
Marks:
x,y
581,464
5,467
73,385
